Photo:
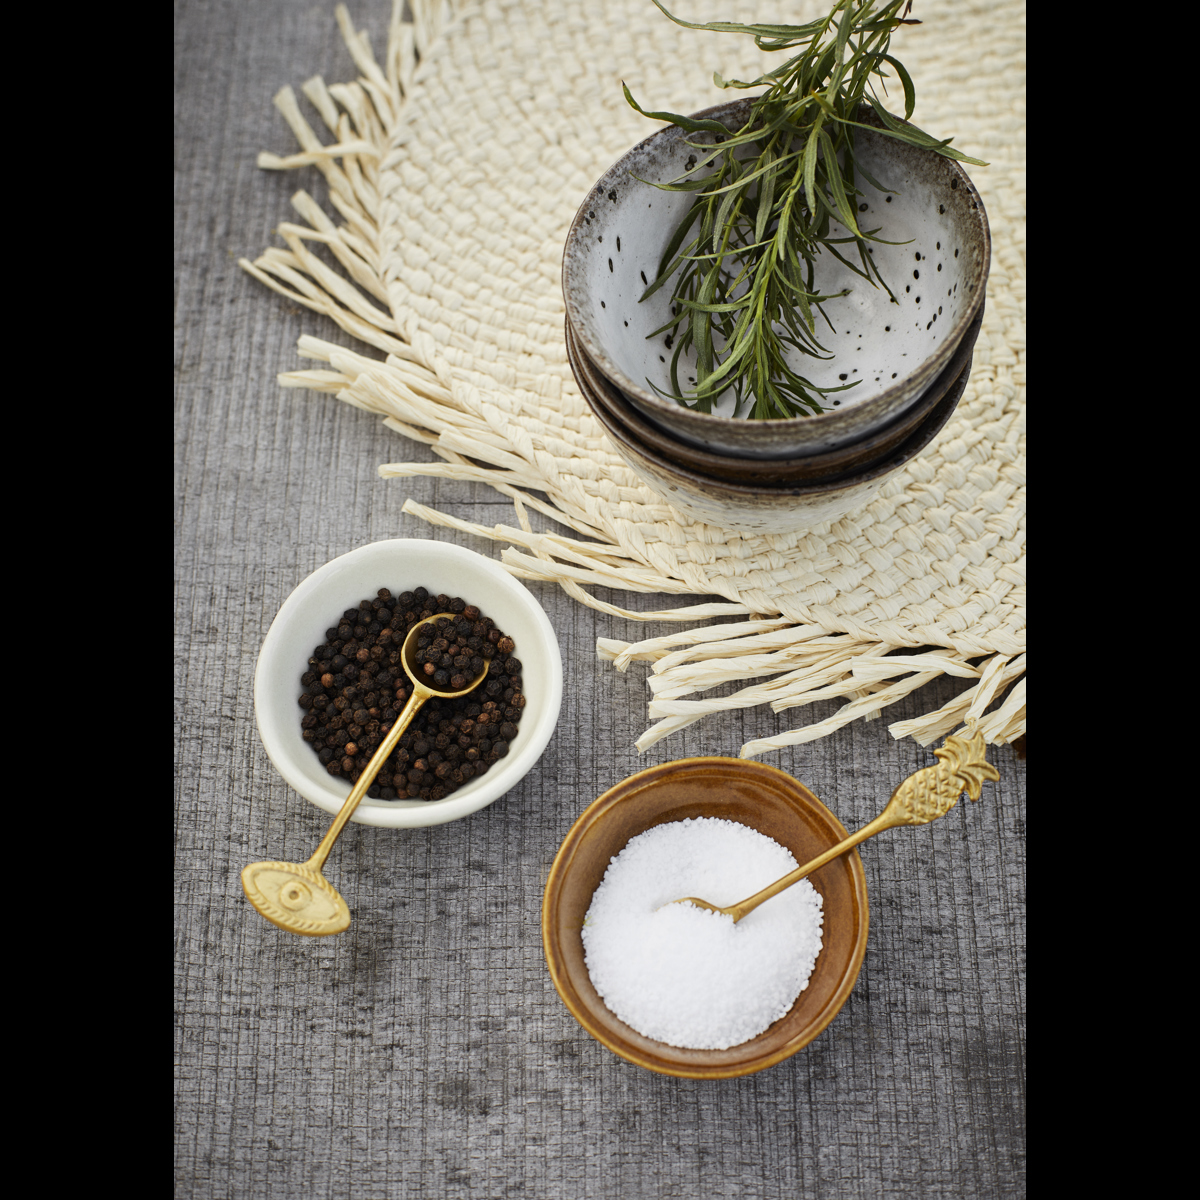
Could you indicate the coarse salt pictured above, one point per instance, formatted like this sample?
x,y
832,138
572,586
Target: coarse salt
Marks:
x,y
686,976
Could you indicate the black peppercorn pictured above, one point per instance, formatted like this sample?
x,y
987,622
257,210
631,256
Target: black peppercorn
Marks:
x,y
354,687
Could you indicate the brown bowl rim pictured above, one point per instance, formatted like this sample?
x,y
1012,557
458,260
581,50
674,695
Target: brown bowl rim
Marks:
x,y
682,1063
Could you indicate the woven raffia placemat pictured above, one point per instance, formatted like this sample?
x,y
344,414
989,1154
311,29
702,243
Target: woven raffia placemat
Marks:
x,y
458,159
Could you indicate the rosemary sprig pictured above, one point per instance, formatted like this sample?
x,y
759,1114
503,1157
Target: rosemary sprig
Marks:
x,y
767,196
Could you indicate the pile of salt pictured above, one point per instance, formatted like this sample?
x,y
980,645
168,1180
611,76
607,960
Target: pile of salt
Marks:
x,y
686,976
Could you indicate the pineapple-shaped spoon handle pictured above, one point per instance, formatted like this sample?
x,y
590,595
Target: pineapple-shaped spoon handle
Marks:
x,y
921,798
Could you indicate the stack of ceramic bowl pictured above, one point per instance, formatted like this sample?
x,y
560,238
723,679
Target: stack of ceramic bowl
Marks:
x,y
908,356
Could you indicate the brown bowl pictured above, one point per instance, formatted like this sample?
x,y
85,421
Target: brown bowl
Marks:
x,y
753,794
830,464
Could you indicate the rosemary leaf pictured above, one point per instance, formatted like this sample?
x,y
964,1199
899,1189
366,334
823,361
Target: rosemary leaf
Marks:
x,y
743,256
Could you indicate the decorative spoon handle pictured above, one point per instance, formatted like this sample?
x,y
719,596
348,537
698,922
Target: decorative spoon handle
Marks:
x,y
933,791
922,797
296,896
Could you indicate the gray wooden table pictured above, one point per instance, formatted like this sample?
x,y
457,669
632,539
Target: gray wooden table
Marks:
x,y
425,1052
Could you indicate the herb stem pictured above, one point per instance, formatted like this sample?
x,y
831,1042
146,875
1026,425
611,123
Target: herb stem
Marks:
x,y
748,277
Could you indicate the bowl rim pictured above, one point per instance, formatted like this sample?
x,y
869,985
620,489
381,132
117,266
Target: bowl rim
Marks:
x,y
898,457
711,422
614,795
474,796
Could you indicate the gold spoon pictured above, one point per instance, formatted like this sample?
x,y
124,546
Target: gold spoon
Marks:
x,y
296,896
921,798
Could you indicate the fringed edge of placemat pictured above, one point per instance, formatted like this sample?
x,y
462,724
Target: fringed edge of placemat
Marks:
x,y
414,390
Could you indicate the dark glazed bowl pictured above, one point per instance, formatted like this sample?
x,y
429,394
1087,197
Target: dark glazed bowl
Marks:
x,y
811,468
753,794
765,508
896,350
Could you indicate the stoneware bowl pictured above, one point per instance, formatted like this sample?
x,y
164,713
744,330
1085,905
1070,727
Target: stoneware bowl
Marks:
x,y
830,464
895,351
764,508
401,565
753,794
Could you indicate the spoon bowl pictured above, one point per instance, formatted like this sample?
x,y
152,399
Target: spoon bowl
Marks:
x,y
296,896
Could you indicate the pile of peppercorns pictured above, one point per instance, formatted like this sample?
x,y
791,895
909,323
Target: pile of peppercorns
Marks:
x,y
355,687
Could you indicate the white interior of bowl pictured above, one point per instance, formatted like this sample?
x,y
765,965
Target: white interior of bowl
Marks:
x,y
401,565
875,342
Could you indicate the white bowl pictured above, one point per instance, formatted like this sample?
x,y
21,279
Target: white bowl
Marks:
x,y
401,565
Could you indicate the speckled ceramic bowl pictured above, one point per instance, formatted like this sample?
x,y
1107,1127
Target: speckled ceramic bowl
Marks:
x,y
750,793
758,507
810,468
895,350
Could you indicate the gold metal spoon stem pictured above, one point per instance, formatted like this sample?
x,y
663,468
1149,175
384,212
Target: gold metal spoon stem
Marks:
x,y
921,798
419,695
296,896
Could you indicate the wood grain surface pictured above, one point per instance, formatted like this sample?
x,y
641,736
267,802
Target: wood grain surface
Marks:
x,y
424,1053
